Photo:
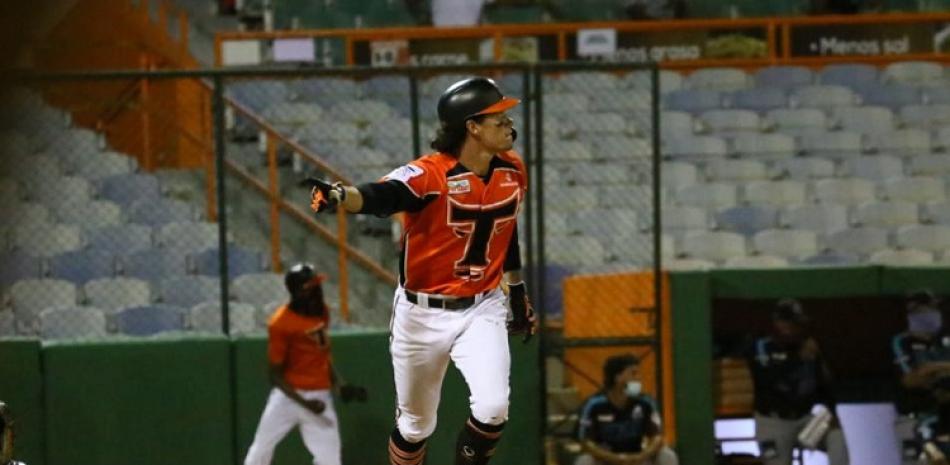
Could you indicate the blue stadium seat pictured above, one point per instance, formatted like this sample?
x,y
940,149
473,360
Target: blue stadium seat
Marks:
x,y
157,212
154,264
126,189
784,76
693,100
747,220
82,266
121,239
856,76
893,96
73,322
188,291
240,261
149,319
759,99
17,266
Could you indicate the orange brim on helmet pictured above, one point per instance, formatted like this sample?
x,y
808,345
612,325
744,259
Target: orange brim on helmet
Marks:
x,y
505,104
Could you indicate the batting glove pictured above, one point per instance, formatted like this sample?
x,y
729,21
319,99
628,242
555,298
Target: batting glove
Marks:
x,y
523,319
324,195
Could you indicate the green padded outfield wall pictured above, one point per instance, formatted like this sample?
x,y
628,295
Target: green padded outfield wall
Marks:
x,y
144,401
21,387
364,359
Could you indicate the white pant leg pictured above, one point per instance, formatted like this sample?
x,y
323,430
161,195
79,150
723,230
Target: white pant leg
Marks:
x,y
586,459
481,354
665,456
321,433
783,433
419,345
277,420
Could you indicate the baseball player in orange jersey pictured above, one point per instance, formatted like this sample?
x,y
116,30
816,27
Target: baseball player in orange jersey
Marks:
x,y
298,349
461,205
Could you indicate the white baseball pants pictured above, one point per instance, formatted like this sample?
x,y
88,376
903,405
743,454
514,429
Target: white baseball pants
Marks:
x,y
320,433
422,343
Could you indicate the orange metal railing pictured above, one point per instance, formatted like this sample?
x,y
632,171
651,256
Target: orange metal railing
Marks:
x,y
776,31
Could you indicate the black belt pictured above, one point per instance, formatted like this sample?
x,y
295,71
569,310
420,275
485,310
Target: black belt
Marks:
x,y
450,303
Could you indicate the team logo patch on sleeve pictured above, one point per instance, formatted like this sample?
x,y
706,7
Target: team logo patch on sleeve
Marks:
x,y
459,186
404,173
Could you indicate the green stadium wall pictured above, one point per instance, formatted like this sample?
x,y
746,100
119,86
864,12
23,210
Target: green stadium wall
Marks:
x,y
195,399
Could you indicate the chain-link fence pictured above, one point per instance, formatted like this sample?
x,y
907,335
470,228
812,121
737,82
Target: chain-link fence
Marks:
x,y
116,206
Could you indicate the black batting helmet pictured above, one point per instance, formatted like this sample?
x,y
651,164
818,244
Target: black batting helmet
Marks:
x,y
469,98
299,275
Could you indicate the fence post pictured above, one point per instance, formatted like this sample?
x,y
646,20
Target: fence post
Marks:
x,y
274,202
218,108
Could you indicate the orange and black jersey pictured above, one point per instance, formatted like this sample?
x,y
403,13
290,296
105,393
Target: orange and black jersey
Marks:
x,y
460,228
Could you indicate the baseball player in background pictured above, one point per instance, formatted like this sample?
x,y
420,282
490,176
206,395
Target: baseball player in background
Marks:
x,y
6,436
461,205
298,349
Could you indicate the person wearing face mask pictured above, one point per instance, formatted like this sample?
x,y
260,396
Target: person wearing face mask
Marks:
x,y
922,357
298,349
791,378
620,425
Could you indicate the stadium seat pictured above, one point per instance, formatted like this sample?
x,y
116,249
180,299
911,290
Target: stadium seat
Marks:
x,y
838,144
935,165
714,246
26,214
575,251
697,147
675,124
37,166
929,238
360,112
584,81
719,79
188,236
240,261
785,77
865,119
926,116
96,214
830,259
149,320
604,223
669,80
886,214
797,120
574,198
206,317
623,101
759,99
903,142
775,193
938,213
822,219
823,96
319,133
638,249
786,243
876,168
692,100
913,73
676,219
293,114
121,239
158,212
101,165
29,297
8,326
938,95
568,151
154,264
804,168
731,122
892,96
713,196
81,266
747,220
74,188
732,170
566,104
128,189
675,175
72,147
188,291
906,257
844,191
858,242
259,288
764,146
112,294
73,323
919,189
258,93
756,262
688,264
325,90
47,241
849,74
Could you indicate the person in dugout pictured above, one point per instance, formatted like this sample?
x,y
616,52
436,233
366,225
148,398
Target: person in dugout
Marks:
x,y
794,406
922,358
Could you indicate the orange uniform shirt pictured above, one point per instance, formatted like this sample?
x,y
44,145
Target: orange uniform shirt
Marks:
x,y
302,345
457,244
